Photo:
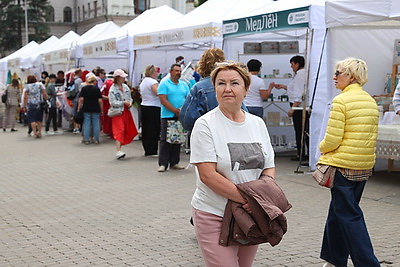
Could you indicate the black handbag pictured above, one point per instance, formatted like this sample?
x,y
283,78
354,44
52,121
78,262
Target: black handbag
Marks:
x,y
44,105
78,117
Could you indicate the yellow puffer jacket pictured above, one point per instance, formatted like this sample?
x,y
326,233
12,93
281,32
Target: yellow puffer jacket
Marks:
x,y
350,137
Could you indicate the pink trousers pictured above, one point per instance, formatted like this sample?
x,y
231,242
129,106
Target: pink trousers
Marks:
x,y
207,228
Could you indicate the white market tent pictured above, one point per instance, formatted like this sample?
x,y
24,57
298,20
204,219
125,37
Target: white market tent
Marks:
x,y
353,24
98,32
11,62
59,57
32,63
284,21
117,47
349,26
189,35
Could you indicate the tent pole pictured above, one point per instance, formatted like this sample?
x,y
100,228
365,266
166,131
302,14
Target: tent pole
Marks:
x,y
304,103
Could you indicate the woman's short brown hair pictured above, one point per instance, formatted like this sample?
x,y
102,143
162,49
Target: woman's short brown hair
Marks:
x,y
208,60
31,79
239,67
15,83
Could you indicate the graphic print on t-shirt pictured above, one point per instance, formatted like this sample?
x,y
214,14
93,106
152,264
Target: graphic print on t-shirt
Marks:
x,y
246,156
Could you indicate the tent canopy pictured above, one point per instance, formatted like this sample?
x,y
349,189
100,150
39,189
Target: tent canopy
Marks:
x,y
200,27
59,53
34,59
121,40
98,32
344,12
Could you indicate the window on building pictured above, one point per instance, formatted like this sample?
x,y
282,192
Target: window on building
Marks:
x,y
95,8
83,13
88,9
67,14
140,6
79,14
50,14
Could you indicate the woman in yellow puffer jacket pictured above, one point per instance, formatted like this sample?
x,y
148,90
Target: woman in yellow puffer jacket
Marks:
x,y
349,145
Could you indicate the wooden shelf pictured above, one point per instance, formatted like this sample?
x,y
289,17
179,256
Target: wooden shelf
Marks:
x,y
395,69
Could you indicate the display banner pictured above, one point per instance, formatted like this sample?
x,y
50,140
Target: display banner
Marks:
x,y
60,56
100,48
193,34
13,64
293,18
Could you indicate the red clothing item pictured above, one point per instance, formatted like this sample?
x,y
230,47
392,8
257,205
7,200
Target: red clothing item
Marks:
x,y
105,120
124,128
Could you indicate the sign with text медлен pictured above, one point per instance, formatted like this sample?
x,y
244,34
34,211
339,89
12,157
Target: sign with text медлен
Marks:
x,y
293,18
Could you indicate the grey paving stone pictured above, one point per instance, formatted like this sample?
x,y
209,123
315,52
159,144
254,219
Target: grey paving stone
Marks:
x,y
63,204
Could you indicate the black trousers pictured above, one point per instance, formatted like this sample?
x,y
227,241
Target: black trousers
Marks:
x,y
150,121
297,123
52,117
169,153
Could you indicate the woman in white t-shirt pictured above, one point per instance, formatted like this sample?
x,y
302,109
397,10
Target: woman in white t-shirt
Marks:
x,y
257,92
228,147
150,109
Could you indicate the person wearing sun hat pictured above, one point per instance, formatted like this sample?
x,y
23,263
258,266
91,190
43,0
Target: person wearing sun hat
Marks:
x,y
123,126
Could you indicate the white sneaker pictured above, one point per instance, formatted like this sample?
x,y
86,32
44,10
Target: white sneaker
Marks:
x,y
58,132
328,265
178,167
120,155
162,169
49,133
76,131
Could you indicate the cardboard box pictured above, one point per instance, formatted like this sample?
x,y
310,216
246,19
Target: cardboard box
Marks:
x,y
273,118
291,47
251,48
270,47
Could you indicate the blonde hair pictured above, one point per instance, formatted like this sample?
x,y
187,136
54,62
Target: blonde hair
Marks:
x,y
149,70
208,60
91,79
232,65
355,68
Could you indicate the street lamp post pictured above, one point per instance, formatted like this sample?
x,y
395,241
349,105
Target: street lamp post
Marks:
x,y
26,22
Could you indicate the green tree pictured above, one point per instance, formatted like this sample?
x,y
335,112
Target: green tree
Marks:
x,y
12,23
200,2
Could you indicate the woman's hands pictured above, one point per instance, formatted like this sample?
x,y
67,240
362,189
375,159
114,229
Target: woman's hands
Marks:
x,y
127,103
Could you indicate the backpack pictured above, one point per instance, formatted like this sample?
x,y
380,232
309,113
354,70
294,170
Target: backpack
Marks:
x,y
71,91
4,97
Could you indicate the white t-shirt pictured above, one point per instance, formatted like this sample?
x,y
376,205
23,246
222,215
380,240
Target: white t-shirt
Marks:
x,y
295,88
253,98
148,97
241,150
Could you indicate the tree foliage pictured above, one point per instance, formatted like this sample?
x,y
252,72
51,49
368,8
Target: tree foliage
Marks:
x,y
12,23
200,2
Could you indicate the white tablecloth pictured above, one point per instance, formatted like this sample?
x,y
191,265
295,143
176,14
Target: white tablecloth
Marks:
x,y
388,142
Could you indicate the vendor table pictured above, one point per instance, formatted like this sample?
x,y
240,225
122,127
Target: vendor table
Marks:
x,y
388,144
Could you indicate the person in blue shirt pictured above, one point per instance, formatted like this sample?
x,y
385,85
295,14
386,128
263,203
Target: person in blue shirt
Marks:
x,y
172,93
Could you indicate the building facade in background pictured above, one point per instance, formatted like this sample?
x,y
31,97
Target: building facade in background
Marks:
x,y
82,15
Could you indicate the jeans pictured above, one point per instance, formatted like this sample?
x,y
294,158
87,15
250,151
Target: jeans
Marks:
x,y
91,119
345,230
258,111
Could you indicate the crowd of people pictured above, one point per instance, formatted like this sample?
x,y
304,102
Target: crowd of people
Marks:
x,y
229,142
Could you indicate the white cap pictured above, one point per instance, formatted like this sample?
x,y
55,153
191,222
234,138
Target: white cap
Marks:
x,y
121,73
